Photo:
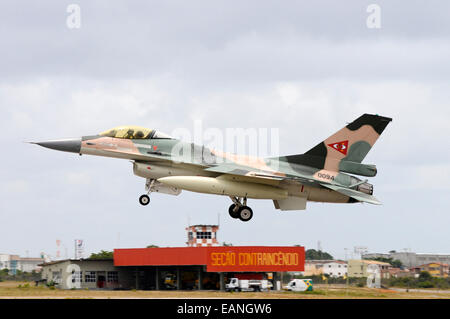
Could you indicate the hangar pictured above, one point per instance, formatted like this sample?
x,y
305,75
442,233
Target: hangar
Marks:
x,y
176,267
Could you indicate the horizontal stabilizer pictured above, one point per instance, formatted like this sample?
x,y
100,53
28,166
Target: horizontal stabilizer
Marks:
x,y
359,196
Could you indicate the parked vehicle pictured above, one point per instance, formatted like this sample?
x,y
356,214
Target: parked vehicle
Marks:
x,y
300,285
236,284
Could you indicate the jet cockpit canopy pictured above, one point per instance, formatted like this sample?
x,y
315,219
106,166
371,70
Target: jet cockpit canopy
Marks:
x,y
134,132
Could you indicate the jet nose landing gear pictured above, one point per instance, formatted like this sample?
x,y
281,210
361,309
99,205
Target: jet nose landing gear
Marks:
x,y
240,209
144,200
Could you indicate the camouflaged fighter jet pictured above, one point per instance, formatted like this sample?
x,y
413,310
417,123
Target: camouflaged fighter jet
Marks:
x,y
170,165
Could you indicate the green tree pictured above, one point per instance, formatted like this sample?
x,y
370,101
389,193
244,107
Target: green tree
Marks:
x,y
152,246
425,280
103,254
394,263
425,276
312,254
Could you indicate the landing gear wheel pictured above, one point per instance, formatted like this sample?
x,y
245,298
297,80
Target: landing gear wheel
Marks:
x,y
233,211
245,213
144,200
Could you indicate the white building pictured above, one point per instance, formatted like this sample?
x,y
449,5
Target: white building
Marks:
x,y
410,259
9,262
87,273
335,269
15,262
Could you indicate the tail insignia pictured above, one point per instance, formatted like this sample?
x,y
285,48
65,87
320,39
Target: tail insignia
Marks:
x,y
340,146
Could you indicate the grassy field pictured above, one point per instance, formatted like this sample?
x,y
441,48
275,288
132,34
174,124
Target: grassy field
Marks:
x,y
22,290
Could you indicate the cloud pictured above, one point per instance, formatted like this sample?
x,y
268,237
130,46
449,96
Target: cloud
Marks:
x,y
15,186
433,177
304,68
78,178
215,43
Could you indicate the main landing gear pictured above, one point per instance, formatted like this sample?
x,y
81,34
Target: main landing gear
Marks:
x,y
239,209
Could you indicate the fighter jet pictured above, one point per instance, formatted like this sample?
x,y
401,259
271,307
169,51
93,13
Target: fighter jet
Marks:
x,y
170,165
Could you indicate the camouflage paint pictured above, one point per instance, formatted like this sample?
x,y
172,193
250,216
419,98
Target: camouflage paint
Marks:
x,y
316,173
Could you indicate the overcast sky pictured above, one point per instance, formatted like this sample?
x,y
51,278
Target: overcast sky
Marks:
x,y
305,68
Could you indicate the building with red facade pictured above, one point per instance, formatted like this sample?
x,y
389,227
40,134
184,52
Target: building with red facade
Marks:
x,y
206,267
177,267
202,265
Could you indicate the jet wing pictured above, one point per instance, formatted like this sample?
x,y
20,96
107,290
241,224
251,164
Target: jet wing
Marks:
x,y
236,169
359,196
261,176
265,177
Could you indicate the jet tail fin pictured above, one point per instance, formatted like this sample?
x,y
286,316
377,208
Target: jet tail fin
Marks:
x,y
350,144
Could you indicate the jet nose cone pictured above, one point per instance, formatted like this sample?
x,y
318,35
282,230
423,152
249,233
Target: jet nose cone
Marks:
x,y
66,145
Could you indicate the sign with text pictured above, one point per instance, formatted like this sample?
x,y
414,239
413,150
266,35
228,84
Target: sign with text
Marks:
x,y
255,258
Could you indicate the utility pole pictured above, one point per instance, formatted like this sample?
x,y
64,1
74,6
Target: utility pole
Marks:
x,y
346,290
360,250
